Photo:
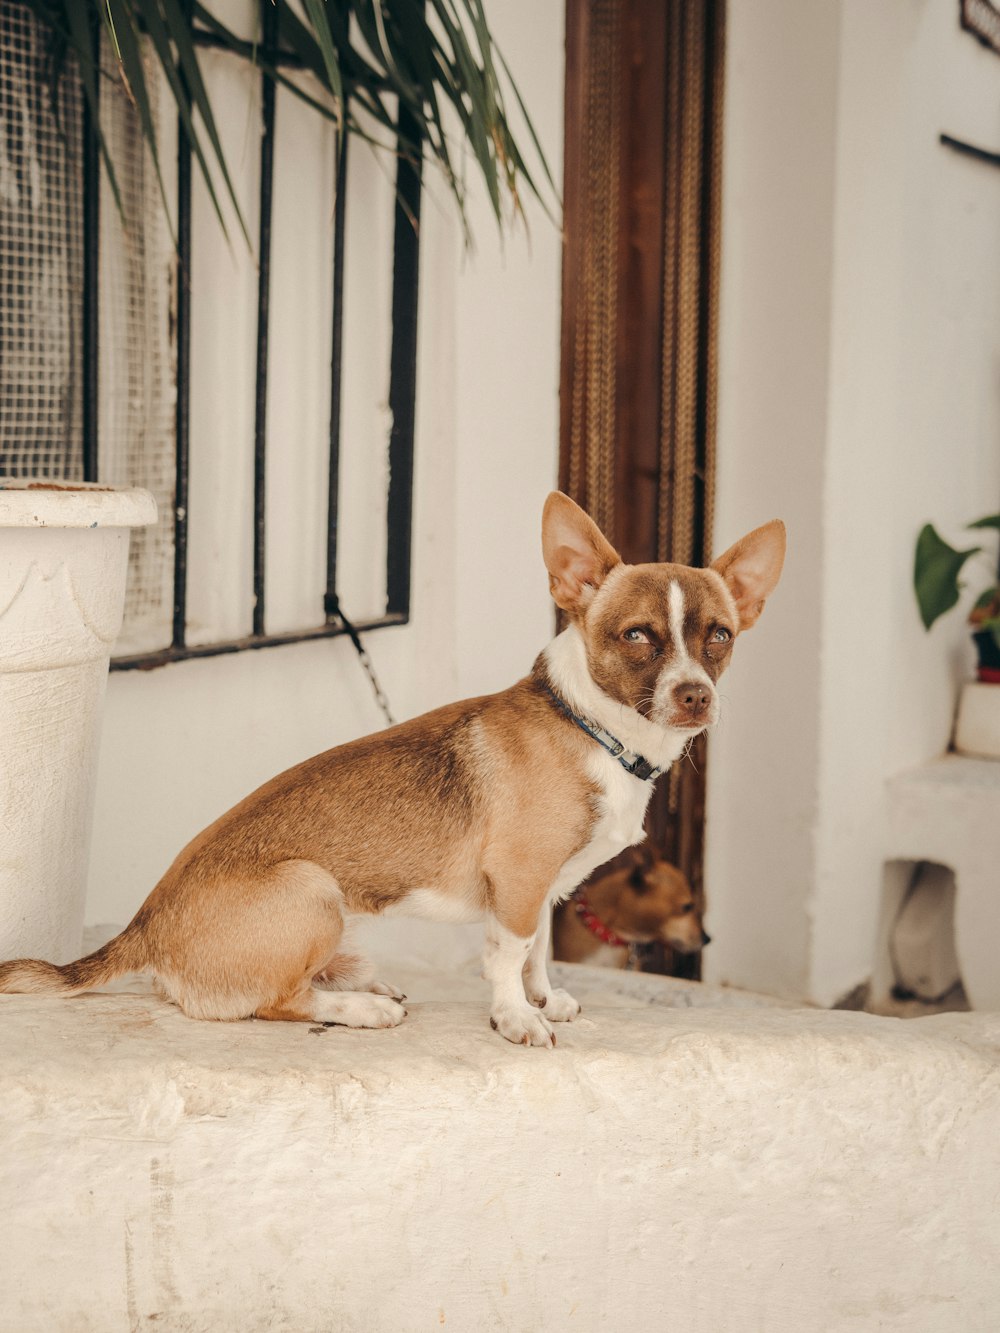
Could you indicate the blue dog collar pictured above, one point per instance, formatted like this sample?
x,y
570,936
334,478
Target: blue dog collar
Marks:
x,y
633,763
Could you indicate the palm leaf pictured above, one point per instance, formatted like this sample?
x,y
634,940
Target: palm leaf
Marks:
x,y
316,13
180,34
81,35
127,48
436,58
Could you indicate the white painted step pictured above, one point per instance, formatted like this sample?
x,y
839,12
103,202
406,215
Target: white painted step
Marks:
x,y
684,1158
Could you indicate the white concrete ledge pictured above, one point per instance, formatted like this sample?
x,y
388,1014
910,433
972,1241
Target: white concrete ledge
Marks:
x,y
948,812
706,1168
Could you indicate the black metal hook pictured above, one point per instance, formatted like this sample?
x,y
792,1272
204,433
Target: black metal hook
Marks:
x,y
960,146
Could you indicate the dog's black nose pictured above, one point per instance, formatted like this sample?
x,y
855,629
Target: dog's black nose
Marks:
x,y
692,695
705,938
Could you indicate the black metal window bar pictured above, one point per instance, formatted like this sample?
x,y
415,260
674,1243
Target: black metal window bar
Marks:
x,y
402,380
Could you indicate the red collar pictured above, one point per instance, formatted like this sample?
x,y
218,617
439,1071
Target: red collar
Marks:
x,y
594,923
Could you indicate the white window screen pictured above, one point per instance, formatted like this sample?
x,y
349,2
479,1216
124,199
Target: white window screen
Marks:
x,y
41,296
42,357
41,258
137,380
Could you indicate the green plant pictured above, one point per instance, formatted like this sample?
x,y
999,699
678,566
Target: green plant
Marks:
x,y
437,60
936,570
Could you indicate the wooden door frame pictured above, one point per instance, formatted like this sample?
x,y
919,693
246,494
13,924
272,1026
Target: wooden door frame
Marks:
x,y
662,71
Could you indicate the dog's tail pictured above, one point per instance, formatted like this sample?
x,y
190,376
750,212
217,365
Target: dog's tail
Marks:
x,y
125,953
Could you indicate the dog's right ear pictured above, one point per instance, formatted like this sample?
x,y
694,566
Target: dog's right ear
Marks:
x,y
577,554
751,569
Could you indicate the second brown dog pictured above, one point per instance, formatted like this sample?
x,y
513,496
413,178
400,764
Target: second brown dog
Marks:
x,y
643,901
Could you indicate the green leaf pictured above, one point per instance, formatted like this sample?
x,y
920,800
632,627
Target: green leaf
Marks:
x,y
180,33
992,522
436,58
88,56
936,568
316,13
129,53
469,84
534,139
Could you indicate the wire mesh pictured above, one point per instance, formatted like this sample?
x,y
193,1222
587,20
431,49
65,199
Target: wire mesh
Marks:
x,y
137,376
46,263
41,257
41,302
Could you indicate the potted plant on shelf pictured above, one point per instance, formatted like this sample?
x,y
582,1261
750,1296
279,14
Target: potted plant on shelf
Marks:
x,y
936,570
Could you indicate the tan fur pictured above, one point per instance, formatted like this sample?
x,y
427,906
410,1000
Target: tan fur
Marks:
x,y
639,601
751,568
482,803
483,799
125,953
577,554
642,900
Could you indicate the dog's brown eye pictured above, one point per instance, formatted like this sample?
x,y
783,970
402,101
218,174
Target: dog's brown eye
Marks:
x,y
721,635
635,636
688,907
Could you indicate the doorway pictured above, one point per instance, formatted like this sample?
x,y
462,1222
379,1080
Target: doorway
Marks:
x,y
644,88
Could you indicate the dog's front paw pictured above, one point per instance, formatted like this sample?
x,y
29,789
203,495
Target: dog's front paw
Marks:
x,y
560,1007
524,1027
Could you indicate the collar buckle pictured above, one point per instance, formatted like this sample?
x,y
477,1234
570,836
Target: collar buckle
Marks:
x,y
636,764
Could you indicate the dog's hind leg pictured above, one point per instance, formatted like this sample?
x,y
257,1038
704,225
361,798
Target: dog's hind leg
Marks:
x,y
320,960
259,958
350,1009
349,971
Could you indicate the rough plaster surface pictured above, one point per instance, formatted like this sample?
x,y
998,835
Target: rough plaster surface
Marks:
x,y
707,1167
860,289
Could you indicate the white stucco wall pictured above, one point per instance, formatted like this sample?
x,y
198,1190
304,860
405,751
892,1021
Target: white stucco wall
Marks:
x,y
858,399
860,294
183,743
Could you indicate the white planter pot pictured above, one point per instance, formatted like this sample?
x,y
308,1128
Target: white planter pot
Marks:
x,y
977,730
63,558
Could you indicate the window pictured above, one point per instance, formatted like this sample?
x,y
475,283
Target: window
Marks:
x,y
278,441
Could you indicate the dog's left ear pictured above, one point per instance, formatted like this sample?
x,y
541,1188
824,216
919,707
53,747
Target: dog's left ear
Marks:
x,y
751,569
643,859
577,554
637,879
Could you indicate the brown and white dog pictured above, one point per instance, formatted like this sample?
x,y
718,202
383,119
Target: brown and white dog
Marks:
x,y
646,900
493,808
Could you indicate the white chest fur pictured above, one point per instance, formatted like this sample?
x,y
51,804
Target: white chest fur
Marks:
x,y
624,798
620,824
